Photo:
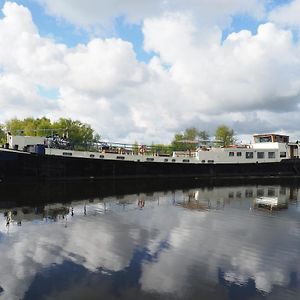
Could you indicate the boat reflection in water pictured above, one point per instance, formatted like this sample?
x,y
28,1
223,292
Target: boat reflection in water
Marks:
x,y
207,242
270,203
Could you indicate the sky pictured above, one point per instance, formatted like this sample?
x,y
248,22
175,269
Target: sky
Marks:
x,y
144,70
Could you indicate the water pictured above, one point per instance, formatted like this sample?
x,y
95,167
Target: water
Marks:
x,y
150,241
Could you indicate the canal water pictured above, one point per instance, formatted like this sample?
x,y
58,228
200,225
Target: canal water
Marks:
x,y
145,240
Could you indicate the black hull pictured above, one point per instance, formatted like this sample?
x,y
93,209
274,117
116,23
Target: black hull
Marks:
x,y
15,166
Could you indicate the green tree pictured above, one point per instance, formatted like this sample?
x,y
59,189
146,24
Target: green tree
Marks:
x,y
2,135
161,149
178,143
15,126
189,139
191,133
225,135
135,148
79,134
203,135
29,126
43,127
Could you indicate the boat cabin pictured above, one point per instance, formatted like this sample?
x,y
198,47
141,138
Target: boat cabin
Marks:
x,y
271,138
282,141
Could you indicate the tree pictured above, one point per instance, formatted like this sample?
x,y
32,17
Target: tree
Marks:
x,y
161,149
135,148
225,135
80,135
29,126
2,135
189,139
178,144
15,126
203,135
43,126
191,133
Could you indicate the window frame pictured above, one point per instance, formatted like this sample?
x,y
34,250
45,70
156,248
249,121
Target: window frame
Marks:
x,y
249,155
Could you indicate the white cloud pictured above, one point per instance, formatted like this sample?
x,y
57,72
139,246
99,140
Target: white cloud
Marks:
x,y
24,52
19,98
94,12
242,73
195,78
287,14
103,66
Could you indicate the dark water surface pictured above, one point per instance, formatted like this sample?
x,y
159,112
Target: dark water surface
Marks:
x,y
145,240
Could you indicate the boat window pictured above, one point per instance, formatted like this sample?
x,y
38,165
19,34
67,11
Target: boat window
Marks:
x,y
120,157
281,139
210,161
101,156
186,160
282,191
271,154
260,193
166,160
260,155
282,154
249,194
67,153
173,160
263,139
150,159
271,192
249,154
239,154
231,153
203,161
92,155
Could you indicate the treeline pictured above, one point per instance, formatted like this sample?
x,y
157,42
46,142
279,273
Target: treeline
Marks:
x,y
79,134
82,136
190,138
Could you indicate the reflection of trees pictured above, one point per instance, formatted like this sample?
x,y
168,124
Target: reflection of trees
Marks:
x,y
57,213
194,199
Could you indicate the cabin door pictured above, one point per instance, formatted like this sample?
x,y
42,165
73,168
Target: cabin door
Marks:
x,y
294,152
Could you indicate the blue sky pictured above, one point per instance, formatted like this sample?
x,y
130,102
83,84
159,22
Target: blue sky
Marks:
x,y
49,26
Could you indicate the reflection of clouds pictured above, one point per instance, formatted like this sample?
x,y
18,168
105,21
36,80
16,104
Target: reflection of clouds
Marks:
x,y
243,245
93,243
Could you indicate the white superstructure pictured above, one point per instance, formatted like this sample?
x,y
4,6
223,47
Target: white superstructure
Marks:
x,y
261,151
20,141
266,148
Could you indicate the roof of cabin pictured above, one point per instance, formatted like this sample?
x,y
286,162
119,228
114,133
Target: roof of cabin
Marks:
x,y
272,134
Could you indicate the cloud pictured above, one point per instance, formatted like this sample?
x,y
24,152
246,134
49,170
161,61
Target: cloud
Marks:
x,y
287,14
103,66
196,77
239,72
94,12
24,52
25,259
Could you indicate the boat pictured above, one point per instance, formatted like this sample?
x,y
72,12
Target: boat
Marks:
x,y
35,158
270,203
